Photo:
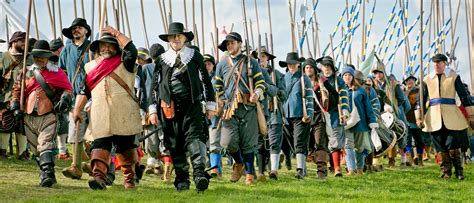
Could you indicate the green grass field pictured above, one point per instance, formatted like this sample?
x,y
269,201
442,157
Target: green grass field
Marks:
x,y
19,182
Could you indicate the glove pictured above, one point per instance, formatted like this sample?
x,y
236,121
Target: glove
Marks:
x,y
373,125
64,103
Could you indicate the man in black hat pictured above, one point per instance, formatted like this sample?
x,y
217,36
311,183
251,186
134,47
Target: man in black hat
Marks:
x,y
47,93
11,63
299,108
115,112
180,91
442,117
336,138
239,127
72,59
414,132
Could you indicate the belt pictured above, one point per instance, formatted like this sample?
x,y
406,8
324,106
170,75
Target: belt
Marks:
x,y
438,101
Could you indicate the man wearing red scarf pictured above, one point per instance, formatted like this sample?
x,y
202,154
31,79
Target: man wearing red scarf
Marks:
x,y
41,107
114,113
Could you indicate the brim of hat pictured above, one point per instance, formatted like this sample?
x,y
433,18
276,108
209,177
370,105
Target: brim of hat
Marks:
x,y
42,54
2,41
143,56
270,56
95,44
437,60
67,32
411,77
285,63
377,71
189,36
223,46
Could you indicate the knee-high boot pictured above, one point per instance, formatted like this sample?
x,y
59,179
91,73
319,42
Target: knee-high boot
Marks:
x,y
336,157
46,164
127,160
446,165
321,158
456,158
100,159
197,150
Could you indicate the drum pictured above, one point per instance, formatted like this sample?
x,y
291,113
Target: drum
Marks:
x,y
387,137
396,125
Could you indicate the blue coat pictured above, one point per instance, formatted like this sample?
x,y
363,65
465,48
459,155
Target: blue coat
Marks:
x,y
363,105
294,104
271,91
68,60
277,117
333,112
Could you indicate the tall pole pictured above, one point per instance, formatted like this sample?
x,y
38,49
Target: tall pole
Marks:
x,y
292,26
51,19
163,16
185,15
363,27
36,20
61,19
472,55
202,27
216,31
144,25
194,21
422,103
102,16
470,39
75,8
92,20
126,18
25,54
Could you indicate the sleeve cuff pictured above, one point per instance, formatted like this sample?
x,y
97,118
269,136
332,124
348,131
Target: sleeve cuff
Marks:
x,y
373,125
211,106
152,109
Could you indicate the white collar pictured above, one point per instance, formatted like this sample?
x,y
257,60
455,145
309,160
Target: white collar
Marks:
x,y
51,67
447,70
169,57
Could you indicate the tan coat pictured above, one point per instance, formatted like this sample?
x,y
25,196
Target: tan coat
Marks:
x,y
113,111
446,114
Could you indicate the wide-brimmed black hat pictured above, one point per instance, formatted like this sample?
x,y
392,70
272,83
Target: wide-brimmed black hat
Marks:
x,y
18,35
210,58
291,58
326,61
67,32
176,28
156,50
265,51
55,44
407,77
41,49
232,36
107,38
439,57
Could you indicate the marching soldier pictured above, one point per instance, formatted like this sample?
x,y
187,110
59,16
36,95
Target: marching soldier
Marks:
x,y
298,109
114,112
395,95
336,138
275,117
11,63
179,94
239,126
72,59
411,90
443,119
47,93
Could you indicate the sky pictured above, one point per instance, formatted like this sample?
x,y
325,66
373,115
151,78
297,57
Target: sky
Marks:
x,y
229,13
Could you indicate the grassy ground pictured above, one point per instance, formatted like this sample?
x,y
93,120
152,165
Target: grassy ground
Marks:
x,y
19,182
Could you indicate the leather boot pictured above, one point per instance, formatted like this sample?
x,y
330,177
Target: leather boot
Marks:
x,y
139,170
100,159
127,161
446,165
237,171
369,163
321,158
197,150
336,157
111,174
456,157
392,153
409,161
46,164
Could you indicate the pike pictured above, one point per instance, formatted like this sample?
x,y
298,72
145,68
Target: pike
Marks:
x,y
185,15
247,49
61,20
83,10
144,24
163,18
292,25
259,39
75,9
53,30
23,70
273,74
36,20
202,27
422,110
216,31
196,40
126,18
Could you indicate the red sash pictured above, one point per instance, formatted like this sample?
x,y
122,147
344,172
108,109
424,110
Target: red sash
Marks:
x,y
57,80
102,69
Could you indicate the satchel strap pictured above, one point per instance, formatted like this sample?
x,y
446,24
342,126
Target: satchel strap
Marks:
x,y
124,85
49,92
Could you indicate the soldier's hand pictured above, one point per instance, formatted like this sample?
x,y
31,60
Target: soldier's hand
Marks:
x,y
153,119
110,30
419,123
210,114
306,119
77,116
254,98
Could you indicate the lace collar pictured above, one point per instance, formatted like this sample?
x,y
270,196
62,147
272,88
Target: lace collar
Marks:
x,y
169,57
